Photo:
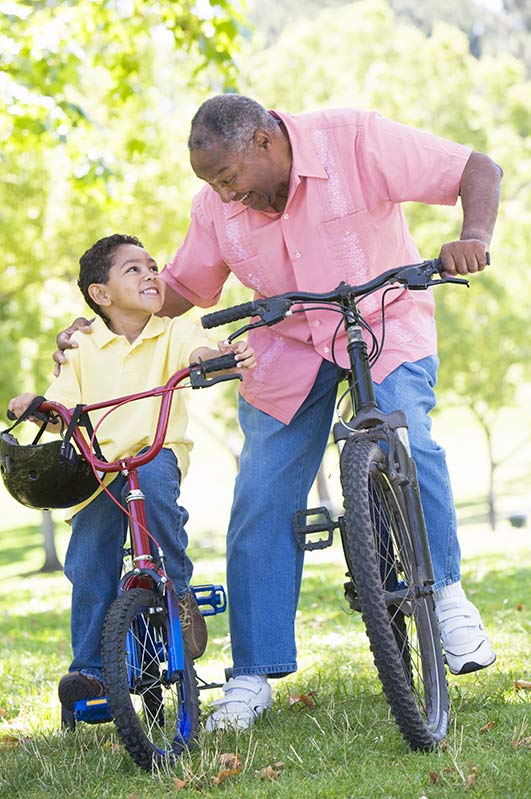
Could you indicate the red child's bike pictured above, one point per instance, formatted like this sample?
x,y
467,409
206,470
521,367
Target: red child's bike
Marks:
x,y
152,688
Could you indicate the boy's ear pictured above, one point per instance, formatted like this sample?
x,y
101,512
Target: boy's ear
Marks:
x,y
98,294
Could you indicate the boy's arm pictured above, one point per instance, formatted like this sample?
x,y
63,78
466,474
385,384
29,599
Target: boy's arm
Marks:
x,y
242,350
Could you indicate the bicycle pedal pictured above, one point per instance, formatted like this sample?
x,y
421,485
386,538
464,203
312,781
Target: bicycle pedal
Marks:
x,y
211,599
323,523
93,711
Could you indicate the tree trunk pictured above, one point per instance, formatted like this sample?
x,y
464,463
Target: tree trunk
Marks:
x,y
491,497
51,561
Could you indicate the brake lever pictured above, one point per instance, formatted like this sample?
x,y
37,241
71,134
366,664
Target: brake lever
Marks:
x,y
460,280
274,311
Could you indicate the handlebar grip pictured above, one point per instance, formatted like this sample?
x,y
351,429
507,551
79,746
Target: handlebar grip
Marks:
x,y
37,414
217,318
227,361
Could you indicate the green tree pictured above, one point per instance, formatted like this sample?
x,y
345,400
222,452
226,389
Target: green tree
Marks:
x,y
95,100
364,55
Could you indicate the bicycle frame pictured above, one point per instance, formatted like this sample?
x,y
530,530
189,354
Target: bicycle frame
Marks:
x,y
367,416
389,427
145,572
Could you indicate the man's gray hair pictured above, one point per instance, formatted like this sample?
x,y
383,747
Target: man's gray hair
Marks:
x,y
231,119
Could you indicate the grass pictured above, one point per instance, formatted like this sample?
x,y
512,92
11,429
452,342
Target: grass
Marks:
x,y
346,746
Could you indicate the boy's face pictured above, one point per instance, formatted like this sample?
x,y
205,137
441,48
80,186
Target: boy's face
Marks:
x,y
133,285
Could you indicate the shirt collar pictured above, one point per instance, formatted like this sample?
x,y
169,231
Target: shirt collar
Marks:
x,y
103,336
306,162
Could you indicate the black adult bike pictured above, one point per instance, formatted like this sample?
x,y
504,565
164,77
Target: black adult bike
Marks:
x,y
390,575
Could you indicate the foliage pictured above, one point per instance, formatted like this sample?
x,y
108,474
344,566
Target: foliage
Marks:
x,y
431,82
491,29
94,95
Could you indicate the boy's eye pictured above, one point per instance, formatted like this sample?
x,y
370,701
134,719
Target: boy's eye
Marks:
x,y
154,268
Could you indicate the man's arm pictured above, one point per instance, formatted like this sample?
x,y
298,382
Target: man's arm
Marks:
x,y
480,197
174,304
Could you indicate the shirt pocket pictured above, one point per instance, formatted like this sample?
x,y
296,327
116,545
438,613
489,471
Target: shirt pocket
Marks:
x,y
255,274
349,246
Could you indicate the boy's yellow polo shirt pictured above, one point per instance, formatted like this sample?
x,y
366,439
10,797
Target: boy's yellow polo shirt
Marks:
x,y
106,365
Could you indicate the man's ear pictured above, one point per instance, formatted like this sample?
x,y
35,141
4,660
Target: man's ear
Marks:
x,y
262,139
98,294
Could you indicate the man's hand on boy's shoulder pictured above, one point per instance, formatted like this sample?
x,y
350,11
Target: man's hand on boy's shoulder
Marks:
x,y
66,342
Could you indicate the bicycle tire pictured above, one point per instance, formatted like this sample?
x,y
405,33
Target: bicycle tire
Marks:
x,y
156,717
381,558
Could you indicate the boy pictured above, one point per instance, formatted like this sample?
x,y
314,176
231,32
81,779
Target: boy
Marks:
x,y
130,350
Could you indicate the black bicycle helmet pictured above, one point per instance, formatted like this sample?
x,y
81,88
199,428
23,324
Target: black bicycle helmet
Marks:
x,y
44,476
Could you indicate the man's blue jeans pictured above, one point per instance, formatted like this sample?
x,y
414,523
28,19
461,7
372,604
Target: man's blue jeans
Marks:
x,y
278,466
93,562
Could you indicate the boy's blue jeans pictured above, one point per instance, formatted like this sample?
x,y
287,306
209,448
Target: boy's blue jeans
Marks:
x,y
93,562
278,466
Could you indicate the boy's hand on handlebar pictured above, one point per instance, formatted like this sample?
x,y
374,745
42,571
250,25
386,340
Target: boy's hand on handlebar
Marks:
x,y
464,257
243,353
17,405
65,341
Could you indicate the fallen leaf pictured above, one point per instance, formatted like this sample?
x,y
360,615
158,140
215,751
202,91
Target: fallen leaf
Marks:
x,y
230,766
434,777
270,772
179,784
3,713
229,760
519,606
522,685
9,742
223,774
488,726
115,747
305,699
472,777
521,743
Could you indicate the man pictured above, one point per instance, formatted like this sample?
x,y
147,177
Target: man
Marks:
x,y
304,202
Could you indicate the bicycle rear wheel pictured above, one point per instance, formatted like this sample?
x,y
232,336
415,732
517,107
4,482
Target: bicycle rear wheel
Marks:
x,y
398,614
156,713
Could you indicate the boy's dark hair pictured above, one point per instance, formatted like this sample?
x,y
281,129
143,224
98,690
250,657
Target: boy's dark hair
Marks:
x,y
95,263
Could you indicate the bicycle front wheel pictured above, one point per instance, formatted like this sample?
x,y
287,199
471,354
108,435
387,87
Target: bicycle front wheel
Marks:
x,y
156,713
399,615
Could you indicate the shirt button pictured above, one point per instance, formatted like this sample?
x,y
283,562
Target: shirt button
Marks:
x,y
285,216
297,254
326,349
316,323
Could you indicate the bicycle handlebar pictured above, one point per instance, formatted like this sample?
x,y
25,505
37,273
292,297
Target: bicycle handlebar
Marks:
x,y
273,309
196,372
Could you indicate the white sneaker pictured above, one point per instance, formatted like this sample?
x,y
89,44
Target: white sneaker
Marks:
x,y
465,642
245,699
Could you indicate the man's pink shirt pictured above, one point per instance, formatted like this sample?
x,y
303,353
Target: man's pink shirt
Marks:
x,y
343,220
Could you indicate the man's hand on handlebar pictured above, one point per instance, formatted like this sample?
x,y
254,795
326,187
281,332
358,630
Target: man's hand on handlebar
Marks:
x,y
464,257
66,342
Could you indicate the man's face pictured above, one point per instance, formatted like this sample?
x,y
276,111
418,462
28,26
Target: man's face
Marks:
x,y
252,176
